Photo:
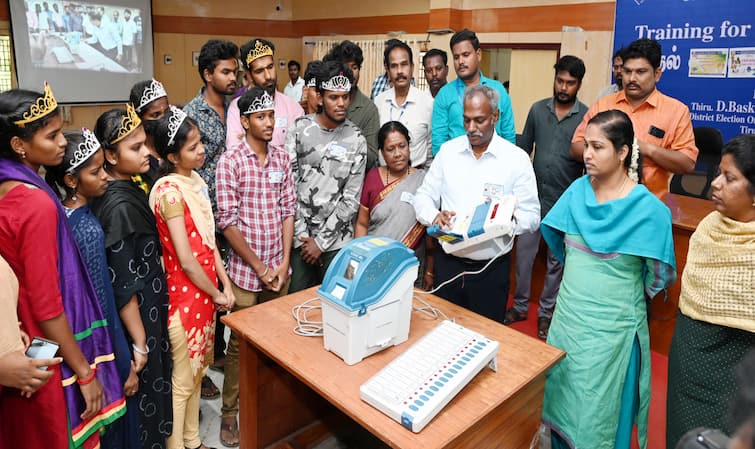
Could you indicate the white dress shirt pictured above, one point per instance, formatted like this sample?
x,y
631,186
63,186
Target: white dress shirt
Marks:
x,y
456,181
294,91
416,114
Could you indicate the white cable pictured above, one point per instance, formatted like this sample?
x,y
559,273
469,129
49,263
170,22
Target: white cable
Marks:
x,y
304,326
429,310
501,253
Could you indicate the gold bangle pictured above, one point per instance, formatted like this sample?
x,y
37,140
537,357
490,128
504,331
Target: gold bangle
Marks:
x,y
429,273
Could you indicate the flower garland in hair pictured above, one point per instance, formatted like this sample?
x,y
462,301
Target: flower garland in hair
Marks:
x,y
633,166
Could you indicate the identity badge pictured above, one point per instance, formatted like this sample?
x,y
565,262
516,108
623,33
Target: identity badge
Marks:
x,y
336,151
407,197
281,122
492,191
275,176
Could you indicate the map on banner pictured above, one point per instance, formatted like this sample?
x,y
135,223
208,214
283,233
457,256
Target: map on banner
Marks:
x,y
708,58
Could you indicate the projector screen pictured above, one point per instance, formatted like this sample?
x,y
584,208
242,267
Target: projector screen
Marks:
x,y
89,51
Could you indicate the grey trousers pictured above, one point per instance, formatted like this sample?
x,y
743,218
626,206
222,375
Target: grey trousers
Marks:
x,y
526,250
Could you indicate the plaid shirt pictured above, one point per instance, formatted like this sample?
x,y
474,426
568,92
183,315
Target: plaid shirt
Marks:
x,y
380,85
256,200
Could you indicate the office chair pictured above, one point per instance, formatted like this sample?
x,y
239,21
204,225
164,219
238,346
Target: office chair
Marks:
x,y
697,184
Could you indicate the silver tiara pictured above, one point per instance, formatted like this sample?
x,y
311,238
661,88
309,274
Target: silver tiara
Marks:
x,y
338,83
154,91
85,150
263,103
312,82
174,122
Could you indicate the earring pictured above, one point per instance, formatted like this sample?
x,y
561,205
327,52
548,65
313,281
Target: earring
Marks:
x,y
112,163
23,154
73,197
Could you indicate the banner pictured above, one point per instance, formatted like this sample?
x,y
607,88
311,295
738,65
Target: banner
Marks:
x,y
708,55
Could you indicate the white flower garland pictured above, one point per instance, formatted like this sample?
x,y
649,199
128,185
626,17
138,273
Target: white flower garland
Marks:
x,y
633,166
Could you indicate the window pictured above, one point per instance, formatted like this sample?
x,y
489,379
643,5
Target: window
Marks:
x,y
5,66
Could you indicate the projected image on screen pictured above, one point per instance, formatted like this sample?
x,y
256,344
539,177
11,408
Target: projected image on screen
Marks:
x,y
84,36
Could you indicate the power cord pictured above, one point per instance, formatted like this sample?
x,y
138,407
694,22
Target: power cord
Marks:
x,y
304,326
502,252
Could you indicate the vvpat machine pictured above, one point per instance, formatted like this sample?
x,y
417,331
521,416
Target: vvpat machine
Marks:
x,y
366,297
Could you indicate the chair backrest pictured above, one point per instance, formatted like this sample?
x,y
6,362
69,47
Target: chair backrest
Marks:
x,y
710,142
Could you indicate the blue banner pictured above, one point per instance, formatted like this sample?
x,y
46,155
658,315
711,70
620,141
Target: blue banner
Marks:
x,y
708,55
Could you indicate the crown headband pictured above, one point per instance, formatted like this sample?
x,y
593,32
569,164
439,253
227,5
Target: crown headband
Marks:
x,y
85,150
312,82
338,83
154,91
40,108
129,123
264,102
257,52
174,123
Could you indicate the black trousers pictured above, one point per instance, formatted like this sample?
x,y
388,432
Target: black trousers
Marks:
x,y
485,293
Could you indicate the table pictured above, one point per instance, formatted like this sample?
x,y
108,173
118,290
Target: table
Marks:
x,y
686,213
289,381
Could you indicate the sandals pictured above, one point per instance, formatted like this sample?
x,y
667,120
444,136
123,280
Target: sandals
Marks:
x,y
512,316
233,430
209,390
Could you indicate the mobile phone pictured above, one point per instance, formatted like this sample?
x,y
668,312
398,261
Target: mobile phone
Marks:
x,y
41,348
656,132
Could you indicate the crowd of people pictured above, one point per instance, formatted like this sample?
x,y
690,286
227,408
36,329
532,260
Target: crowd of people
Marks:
x,y
114,32
146,228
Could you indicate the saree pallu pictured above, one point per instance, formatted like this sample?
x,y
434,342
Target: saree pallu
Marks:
x,y
86,320
391,210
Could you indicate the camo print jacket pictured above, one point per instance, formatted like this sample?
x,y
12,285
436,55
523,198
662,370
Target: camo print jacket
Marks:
x,y
328,171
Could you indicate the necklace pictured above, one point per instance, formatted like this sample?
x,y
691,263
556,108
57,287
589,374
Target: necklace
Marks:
x,y
398,178
612,195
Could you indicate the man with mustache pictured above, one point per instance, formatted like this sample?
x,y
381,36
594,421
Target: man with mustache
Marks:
x,y
405,103
662,125
217,65
618,61
257,56
435,64
448,108
550,124
256,205
328,154
469,170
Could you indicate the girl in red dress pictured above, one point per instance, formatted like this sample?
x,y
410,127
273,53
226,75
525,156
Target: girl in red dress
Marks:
x,y
192,264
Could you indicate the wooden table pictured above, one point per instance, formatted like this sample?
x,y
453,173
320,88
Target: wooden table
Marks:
x,y
686,213
289,381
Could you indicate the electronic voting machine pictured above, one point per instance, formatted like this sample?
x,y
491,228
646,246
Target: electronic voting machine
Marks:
x,y
487,221
366,297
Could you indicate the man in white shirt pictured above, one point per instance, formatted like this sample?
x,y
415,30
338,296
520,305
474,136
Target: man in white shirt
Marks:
x,y
471,169
405,103
294,87
128,37
105,37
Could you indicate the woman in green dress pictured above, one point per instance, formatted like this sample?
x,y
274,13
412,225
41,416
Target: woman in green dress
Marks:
x,y
614,238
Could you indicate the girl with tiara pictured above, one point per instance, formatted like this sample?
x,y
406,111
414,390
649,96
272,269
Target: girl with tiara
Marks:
x,y
56,298
133,254
150,100
82,177
193,265
599,230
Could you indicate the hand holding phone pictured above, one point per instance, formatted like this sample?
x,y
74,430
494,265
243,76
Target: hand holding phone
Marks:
x,y
41,348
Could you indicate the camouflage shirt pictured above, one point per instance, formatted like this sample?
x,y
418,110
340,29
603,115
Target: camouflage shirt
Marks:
x,y
328,171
